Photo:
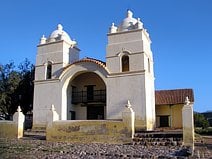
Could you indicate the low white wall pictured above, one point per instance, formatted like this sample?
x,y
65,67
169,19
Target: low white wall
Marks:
x,y
13,129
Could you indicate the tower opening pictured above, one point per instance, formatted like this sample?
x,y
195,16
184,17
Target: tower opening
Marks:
x,y
49,70
125,63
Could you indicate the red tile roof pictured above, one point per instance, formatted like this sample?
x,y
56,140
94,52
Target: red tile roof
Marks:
x,y
176,96
87,59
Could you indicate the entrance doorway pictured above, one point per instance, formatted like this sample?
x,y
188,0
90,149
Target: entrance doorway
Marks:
x,y
95,112
86,97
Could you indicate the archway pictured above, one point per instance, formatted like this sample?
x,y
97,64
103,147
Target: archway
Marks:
x,y
72,72
86,97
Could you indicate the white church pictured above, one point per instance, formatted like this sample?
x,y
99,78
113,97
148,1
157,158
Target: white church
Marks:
x,y
90,89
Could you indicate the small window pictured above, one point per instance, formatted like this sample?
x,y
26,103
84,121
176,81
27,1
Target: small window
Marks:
x,y
49,71
125,63
164,121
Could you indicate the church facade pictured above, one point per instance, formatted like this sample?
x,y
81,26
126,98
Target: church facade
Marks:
x,y
90,89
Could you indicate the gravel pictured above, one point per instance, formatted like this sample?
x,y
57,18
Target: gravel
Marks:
x,y
33,149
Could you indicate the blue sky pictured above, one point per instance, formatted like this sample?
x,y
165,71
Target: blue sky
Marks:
x,y
180,30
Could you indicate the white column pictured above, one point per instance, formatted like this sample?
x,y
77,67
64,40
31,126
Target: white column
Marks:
x,y
52,115
19,118
128,117
188,124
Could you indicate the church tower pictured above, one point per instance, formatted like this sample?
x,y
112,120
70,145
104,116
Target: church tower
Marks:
x,y
130,62
53,54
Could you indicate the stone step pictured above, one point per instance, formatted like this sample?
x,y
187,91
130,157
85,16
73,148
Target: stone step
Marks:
x,y
157,141
158,134
154,138
35,134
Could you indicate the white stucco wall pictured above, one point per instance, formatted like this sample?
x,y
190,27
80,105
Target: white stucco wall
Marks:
x,y
118,43
150,102
60,53
137,85
45,94
73,54
122,88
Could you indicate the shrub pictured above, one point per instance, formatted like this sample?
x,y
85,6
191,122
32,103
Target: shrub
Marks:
x,y
200,121
206,131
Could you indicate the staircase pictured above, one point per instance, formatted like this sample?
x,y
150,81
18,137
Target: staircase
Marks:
x,y
35,134
158,138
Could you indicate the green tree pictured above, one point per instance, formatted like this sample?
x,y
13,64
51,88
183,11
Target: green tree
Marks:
x,y
16,87
200,121
9,81
26,87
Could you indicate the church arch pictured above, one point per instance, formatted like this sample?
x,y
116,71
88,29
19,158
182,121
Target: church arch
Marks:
x,y
83,91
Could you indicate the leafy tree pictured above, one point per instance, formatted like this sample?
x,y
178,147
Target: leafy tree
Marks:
x,y
200,121
9,81
26,86
16,87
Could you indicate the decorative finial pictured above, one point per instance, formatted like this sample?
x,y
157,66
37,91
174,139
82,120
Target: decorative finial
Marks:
x,y
139,24
129,13
19,109
52,108
128,104
187,101
43,40
59,27
113,28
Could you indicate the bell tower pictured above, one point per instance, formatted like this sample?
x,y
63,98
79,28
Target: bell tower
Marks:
x,y
53,54
130,62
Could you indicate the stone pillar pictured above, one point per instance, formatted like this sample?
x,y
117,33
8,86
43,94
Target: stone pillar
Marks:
x,y
128,117
52,115
188,124
19,118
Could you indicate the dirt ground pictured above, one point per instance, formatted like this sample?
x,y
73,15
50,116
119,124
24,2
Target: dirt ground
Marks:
x,y
203,146
33,148
208,142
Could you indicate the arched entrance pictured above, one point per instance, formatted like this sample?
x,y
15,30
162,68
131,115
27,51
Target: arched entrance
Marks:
x,y
86,97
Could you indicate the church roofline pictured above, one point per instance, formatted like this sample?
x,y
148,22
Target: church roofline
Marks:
x,y
86,60
123,32
59,41
130,31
